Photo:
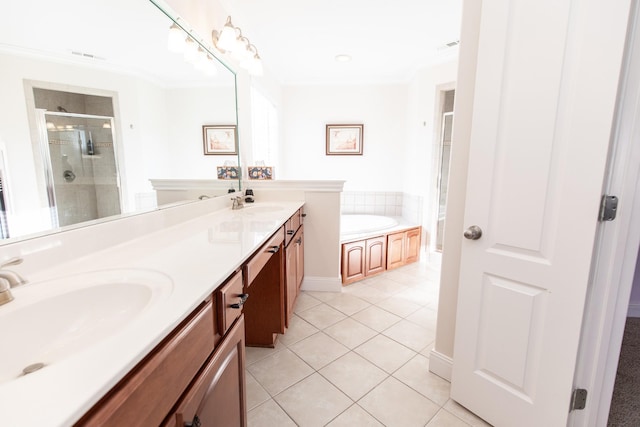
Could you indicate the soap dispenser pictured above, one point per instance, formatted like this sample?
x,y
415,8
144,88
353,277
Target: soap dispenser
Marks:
x,y
248,196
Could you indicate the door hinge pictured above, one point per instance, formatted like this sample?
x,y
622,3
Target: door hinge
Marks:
x,y
578,399
608,208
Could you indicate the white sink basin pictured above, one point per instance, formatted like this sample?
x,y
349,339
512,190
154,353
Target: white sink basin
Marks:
x,y
51,320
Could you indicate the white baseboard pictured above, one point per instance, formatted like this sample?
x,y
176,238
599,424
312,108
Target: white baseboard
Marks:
x,y
440,365
322,284
634,310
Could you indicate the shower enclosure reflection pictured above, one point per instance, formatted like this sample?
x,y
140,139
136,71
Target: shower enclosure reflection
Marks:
x,y
78,149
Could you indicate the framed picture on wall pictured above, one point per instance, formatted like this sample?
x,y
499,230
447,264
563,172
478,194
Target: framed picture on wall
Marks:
x,y
344,140
220,140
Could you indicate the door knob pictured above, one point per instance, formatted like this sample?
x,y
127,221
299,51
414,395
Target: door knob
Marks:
x,y
473,233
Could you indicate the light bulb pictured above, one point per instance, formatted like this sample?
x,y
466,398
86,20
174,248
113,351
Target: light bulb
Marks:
x,y
175,41
190,50
227,39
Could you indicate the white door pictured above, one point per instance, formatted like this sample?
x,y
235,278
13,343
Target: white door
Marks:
x,y
544,100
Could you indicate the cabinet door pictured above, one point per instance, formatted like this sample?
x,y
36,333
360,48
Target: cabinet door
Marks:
x,y
291,263
412,245
376,255
300,259
395,250
353,262
217,396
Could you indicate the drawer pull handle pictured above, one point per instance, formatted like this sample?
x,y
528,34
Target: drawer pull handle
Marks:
x,y
289,232
243,299
273,249
304,215
299,241
195,423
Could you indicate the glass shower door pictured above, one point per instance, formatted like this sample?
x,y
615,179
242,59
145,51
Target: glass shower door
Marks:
x,y
82,171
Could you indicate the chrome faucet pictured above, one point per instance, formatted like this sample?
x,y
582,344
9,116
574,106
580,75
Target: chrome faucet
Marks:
x,y
238,202
9,279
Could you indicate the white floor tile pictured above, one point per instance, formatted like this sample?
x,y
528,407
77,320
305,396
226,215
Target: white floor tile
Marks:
x,y
256,395
395,404
279,371
464,414
425,317
322,296
305,302
350,333
385,353
348,304
398,306
376,318
445,419
410,335
269,414
254,354
415,373
354,375
318,350
313,401
355,416
299,329
322,316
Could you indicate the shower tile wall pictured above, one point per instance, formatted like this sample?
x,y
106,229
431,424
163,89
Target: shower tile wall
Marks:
x,y
391,203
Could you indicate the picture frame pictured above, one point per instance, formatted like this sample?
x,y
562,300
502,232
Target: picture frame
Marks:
x,y
228,172
344,140
260,172
220,140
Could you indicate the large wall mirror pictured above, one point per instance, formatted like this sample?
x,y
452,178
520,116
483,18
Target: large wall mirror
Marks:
x,y
93,106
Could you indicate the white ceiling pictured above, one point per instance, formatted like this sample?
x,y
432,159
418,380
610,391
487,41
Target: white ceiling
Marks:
x,y
388,40
297,39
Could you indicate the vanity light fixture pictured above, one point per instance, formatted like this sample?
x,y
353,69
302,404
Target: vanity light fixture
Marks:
x,y
230,41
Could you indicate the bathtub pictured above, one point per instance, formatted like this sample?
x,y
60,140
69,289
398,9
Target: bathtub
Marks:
x,y
354,226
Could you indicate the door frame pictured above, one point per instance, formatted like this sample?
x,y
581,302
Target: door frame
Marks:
x,y
616,249
436,153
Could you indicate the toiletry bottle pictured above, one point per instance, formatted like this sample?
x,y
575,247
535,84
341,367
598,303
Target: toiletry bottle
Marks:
x,y
90,150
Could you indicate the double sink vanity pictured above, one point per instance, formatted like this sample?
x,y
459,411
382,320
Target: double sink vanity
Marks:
x,y
152,331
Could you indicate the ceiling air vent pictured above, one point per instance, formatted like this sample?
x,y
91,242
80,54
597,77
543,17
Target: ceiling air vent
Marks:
x,y
87,55
449,45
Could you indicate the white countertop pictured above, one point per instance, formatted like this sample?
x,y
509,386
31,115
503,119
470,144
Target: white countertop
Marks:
x,y
198,255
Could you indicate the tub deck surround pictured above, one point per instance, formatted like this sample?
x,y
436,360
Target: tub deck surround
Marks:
x,y
197,254
372,225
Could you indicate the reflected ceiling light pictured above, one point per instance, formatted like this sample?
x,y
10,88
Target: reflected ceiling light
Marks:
x,y
252,62
175,40
343,58
190,50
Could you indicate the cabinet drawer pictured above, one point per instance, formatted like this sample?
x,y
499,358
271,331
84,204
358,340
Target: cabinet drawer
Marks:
x,y
291,226
148,393
253,267
230,300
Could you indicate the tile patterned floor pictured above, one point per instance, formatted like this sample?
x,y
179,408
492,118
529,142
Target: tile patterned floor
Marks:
x,y
357,358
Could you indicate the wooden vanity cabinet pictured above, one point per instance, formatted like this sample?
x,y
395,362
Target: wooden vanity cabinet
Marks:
x,y
147,394
363,258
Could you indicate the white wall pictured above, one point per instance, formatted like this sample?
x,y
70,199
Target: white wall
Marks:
x,y
382,110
